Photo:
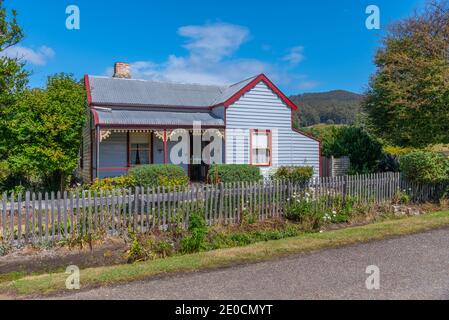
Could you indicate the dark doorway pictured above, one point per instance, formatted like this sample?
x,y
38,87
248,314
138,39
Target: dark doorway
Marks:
x,y
198,172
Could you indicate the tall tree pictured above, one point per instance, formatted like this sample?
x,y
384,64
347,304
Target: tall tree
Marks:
x,y
408,99
12,76
13,79
46,126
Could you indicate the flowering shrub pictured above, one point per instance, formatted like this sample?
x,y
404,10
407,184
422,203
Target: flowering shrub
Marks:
x,y
330,217
307,209
304,210
112,183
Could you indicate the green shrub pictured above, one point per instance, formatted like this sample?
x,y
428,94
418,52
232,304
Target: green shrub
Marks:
x,y
233,173
162,248
294,174
158,175
112,183
425,167
144,247
248,217
195,241
136,252
401,197
362,148
298,210
303,211
343,209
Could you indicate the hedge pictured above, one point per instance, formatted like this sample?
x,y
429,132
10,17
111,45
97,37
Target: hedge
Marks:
x,y
158,175
294,174
233,173
425,167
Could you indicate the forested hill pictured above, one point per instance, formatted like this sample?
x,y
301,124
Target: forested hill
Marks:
x,y
333,107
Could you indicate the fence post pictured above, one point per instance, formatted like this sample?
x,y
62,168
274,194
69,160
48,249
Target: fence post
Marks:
x,y
136,208
220,210
345,189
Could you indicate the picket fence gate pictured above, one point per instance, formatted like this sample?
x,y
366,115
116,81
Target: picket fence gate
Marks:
x,y
48,217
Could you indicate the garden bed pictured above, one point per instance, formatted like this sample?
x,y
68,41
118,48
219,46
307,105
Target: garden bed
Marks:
x,y
104,250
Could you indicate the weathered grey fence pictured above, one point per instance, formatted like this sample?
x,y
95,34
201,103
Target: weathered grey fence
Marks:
x,y
334,167
37,217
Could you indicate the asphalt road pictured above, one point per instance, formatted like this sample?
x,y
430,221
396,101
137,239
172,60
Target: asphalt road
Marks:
x,y
411,267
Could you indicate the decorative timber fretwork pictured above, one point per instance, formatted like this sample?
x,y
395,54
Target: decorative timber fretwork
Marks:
x,y
104,134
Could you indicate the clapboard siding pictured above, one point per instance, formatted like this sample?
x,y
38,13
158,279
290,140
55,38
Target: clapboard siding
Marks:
x,y
261,108
113,153
86,150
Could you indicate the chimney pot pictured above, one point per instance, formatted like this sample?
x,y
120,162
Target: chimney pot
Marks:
x,y
122,70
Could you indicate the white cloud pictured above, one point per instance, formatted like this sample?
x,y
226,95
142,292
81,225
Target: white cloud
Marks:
x,y
295,56
36,57
210,59
181,69
213,41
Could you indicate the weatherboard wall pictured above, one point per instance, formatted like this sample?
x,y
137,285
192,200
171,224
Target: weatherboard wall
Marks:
x,y
262,109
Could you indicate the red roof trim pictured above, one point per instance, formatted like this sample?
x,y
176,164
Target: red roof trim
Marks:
x,y
96,119
252,84
89,93
89,100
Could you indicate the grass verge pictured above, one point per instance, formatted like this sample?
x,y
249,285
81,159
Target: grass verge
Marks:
x,y
53,283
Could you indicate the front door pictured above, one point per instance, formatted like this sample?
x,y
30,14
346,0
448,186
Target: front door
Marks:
x,y
198,172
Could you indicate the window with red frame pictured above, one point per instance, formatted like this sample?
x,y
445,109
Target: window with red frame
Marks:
x,y
261,147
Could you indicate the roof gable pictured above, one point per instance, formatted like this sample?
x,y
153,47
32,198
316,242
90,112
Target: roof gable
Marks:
x,y
251,84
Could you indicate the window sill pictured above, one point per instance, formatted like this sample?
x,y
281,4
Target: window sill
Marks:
x,y
261,165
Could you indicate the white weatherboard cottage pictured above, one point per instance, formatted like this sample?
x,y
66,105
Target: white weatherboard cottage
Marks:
x,y
130,122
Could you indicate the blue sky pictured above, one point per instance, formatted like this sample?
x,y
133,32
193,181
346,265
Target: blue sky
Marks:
x,y
304,46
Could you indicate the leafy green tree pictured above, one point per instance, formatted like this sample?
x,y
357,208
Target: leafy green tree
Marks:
x,y
46,128
13,78
362,148
408,99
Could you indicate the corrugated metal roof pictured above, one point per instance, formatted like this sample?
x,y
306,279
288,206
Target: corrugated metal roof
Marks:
x,y
105,90
157,118
232,90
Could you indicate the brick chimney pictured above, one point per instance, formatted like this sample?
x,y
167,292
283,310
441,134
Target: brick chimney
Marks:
x,y
122,70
